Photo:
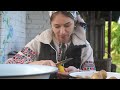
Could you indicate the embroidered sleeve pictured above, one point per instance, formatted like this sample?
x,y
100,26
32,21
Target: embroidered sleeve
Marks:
x,y
25,56
87,58
28,54
88,65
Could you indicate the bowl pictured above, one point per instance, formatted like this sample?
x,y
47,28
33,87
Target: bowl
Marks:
x,y
26,71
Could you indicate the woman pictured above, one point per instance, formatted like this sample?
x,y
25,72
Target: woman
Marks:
x,y
65,39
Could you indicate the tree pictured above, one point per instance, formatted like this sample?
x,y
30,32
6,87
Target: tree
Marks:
x,y
115,37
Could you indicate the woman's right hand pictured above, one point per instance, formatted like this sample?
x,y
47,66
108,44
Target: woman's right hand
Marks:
x,y
44,62
65,74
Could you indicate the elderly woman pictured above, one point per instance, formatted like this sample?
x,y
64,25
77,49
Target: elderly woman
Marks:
x,y
65,39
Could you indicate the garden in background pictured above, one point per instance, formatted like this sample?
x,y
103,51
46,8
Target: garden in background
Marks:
x,y
115,43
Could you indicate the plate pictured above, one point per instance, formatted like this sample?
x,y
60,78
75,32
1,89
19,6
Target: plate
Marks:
x,y
90,73
82,74
111,74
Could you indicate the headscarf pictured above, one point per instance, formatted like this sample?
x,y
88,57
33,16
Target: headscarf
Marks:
x,y
80,27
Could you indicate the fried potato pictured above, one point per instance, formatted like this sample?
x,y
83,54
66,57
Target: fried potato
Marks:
x,y
103,73
97,76
112,77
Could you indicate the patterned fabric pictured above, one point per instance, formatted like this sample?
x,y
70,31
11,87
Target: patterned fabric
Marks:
x,y
77,18
61,53
88,65
29,53
74,13
19,59
27,57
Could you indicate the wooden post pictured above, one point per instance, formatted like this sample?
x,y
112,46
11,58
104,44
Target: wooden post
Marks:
x,y
109,34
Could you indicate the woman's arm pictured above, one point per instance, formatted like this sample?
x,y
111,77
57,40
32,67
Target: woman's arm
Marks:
x,y
43,62
28,54
87,60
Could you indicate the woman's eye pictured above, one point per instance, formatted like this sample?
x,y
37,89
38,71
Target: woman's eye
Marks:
x,y
67,25
57,26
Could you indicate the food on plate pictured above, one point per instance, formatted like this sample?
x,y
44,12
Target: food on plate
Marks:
x,y
61,68
103,73
97,75
112,77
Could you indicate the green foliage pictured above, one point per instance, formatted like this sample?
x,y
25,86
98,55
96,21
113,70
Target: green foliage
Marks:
x,y
115,43
115,37
116,60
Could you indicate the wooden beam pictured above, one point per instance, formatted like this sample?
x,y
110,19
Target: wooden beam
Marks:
x,y
109,34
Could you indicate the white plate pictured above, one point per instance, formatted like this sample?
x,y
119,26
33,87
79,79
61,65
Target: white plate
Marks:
x,y
83,73
111,74
25,70
90,73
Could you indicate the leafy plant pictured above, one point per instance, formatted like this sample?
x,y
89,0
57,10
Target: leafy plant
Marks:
x,y
115,37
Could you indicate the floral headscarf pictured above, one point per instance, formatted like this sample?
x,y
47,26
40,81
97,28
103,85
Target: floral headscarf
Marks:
x,y
81,26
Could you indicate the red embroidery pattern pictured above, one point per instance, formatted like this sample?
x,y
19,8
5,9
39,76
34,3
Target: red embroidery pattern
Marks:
x,y
29,53
19,59
59,52
28,57
88,65
10,61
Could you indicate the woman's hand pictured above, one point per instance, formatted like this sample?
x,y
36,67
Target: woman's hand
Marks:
x,y
44,62
65,75
71,69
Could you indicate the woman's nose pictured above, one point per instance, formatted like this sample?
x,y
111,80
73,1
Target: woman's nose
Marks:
x,y
62,30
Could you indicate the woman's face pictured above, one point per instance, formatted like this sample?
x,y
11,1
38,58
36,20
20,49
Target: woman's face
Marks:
x,y
62,27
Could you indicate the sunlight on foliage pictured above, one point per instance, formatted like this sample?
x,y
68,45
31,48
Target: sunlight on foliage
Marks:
x,y
115,43
115,37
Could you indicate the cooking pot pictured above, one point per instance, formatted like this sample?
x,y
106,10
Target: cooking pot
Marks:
x,y
26,71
